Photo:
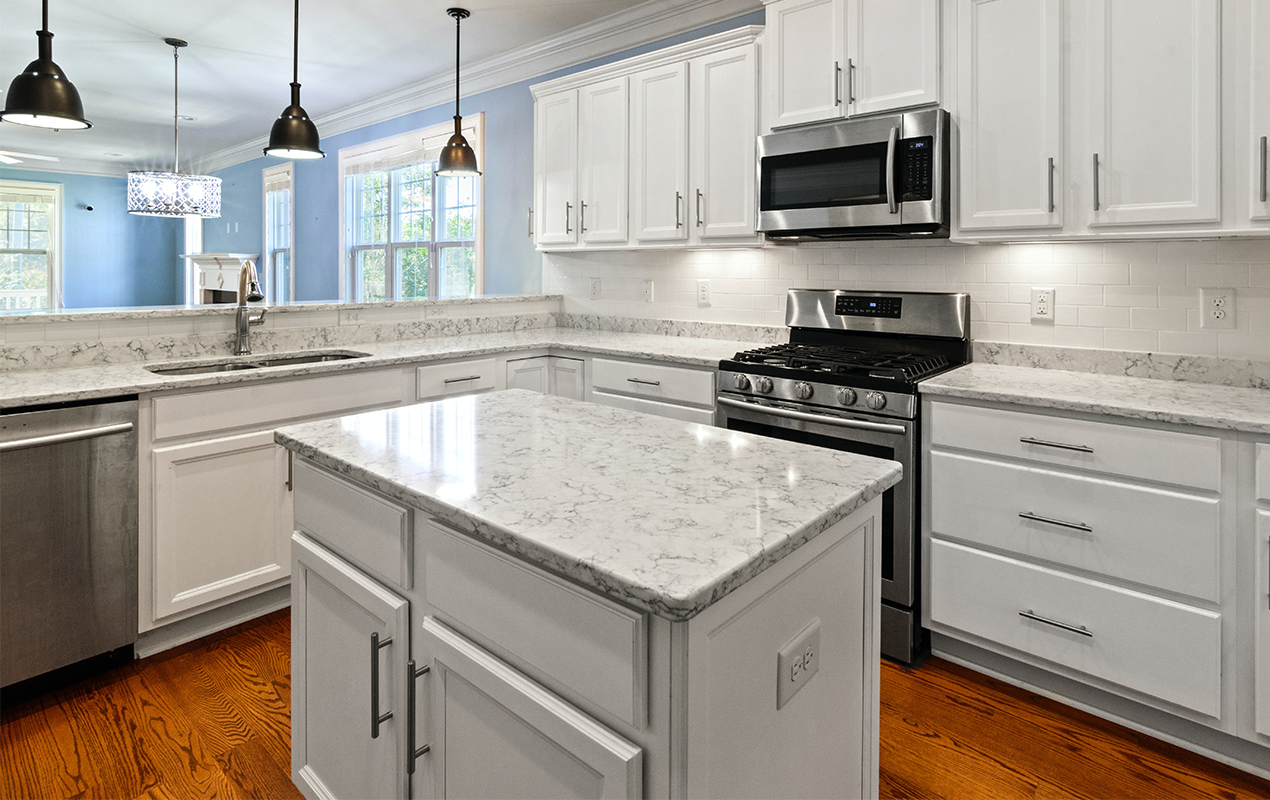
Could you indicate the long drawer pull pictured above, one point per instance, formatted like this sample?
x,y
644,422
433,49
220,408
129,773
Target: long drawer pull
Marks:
x,y
1081,629
414,674
460,380
1079,448
644,382
70,436
375,717
1079,526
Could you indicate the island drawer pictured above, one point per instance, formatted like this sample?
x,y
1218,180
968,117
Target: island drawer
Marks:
x,y
1153,536
372,532
589,644
1263,471
653,381
1184,459
457,377
1163,649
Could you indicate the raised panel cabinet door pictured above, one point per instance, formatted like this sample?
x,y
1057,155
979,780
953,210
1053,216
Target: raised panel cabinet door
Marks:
x,y
892,55
1010,113
724,125
350,640
528,373
567,377
603,191
1261,689
555,168
659,152
222,520
494,733
803,61
1153,112
1259,107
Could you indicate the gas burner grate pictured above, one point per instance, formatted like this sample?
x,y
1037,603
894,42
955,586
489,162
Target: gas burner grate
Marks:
x,y
828,359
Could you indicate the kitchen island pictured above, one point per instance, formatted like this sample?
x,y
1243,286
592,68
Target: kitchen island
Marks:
x,y
515,594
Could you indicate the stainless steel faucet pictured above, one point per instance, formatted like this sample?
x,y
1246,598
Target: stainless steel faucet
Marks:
x,y
248,291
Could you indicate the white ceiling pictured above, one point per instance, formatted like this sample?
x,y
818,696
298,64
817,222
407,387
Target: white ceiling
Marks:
x,y
235,73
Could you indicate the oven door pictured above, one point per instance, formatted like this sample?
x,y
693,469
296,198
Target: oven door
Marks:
x,y
880,437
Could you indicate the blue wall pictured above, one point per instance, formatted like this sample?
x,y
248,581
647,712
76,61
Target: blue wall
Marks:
x,y
512,266
111,257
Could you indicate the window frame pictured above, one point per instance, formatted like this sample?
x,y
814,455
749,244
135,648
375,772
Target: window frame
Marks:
x,y
348,252
54,253
267,255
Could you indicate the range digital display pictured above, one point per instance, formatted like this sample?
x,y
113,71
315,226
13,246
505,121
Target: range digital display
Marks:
x,y
851,306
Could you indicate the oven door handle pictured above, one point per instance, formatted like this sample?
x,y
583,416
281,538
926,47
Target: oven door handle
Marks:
x,y
892,202
860,425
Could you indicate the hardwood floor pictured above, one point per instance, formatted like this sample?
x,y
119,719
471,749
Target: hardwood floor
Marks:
x,y
212,719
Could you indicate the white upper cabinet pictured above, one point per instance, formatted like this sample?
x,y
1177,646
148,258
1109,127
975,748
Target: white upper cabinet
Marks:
x,y
602,162
659,152
892,54
724,136
1009,70
1259,106
556,168
1151,106
804,56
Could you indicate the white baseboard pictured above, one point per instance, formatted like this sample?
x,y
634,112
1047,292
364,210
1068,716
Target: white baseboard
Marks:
x,y
187,630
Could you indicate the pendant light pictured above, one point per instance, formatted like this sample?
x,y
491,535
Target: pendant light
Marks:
x,y
457,157
172,194
293,134
41,96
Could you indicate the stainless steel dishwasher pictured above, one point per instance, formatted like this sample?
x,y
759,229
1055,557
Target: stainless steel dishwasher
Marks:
x,y
68,536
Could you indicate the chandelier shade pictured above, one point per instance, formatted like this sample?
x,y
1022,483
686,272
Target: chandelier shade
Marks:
x,y
172,194
41,96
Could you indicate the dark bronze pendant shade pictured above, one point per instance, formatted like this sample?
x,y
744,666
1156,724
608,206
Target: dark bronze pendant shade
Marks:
x,y
293,134
457,157
41,96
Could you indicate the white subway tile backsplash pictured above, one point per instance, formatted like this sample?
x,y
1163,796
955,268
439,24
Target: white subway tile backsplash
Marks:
x,y
1077,337
1139,296
1142,274
1218,276
1104,317
1116,274
1196,344
1124,339
1158,319
1130,253
1202,252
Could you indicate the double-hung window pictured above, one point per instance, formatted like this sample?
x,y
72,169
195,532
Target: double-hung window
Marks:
x,y
278,276
30,262
410,234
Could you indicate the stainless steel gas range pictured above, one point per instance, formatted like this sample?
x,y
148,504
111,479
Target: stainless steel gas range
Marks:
x,y
848,380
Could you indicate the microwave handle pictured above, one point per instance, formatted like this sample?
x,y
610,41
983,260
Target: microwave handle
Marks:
x,y
892,201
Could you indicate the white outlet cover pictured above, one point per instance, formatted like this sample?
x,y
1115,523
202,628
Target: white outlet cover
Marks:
x,y
1042,304
703,292
595,288
797,662
648,290
1217,309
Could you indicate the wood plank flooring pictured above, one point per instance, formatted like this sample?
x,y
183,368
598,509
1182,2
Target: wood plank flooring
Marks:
x,y
212,719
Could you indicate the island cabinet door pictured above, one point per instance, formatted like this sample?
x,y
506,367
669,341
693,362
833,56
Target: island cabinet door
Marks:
x,y
349,645
494,733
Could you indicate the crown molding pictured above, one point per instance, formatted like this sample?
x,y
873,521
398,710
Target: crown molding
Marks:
x,y
74,166
640,25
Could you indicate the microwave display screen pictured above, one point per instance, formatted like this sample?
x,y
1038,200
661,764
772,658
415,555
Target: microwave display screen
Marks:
x,y
843,176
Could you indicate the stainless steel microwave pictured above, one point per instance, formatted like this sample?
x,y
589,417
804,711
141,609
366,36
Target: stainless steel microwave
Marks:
x,y
876,178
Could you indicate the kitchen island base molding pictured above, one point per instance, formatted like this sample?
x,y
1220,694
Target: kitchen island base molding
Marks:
x,y
1197,738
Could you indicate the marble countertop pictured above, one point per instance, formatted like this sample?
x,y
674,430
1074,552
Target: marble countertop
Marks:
x,y
70,384
1176,402
665,516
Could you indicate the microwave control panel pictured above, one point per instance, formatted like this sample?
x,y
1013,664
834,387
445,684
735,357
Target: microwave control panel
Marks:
x,y
917,164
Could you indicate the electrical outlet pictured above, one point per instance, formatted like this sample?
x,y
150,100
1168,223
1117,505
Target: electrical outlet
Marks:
x,y
1217,308
1042,304
595,288
703,292
797,661
648,290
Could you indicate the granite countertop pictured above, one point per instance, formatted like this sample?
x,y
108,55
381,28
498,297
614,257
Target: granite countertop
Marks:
x,y
662,515
1176,402
69,384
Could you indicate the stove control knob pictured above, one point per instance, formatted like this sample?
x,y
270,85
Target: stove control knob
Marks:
x,y
741,382
803,391
875,400
763,384
846,397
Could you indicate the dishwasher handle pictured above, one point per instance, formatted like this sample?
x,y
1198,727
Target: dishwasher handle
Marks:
x,y
69,436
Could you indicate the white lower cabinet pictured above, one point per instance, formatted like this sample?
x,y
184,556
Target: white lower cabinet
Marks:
x,y
667,391
558,375
1260,595
454,378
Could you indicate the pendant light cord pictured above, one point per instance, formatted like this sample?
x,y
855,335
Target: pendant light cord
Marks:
x,y
458,39
295,50
176,117
45,29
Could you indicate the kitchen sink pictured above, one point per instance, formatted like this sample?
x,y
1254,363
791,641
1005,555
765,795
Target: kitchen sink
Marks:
x,y
318,357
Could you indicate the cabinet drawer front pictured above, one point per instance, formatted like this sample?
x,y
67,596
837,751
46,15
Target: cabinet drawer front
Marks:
x,y
704,416
269,403
1157,647
1156,537
654,381
1263,471
462,377
1185,459
371,531
593,646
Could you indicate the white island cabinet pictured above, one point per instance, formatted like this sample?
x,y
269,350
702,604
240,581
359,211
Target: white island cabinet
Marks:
x,y
521,595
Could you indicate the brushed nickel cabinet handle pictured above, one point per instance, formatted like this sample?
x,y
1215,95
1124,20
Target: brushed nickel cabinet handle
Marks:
x,y
70,436
1081,629
644,382
1097,202
1079,526
582,217
1079,448
850,82
567,208
1264,158
411,697
837,84
678,198
531,222
460,380
699,196
1051,179
375,717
